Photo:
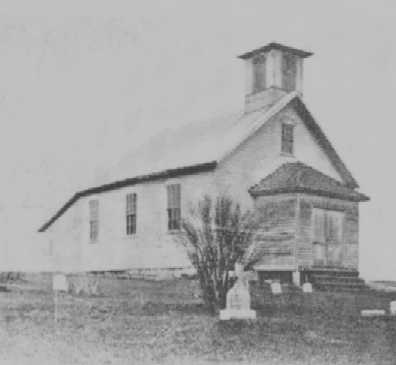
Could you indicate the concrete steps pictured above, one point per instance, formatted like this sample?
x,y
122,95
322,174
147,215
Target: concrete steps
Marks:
x,y
338,281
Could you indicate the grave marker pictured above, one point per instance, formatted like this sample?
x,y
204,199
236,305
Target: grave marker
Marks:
x,y
238,298
373,312
276,288
392,308
307,288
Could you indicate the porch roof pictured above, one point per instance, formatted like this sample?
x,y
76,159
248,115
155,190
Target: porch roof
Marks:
x,y
296,177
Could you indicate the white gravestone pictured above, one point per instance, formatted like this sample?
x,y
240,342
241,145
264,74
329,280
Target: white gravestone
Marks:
x,y
238,298
392,308
373,312
276,288
59,283
307,288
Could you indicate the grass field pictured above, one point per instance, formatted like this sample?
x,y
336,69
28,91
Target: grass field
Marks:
x,y
137,321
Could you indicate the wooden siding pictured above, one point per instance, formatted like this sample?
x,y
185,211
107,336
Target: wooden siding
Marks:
x,y
350,229
277,213
293,214
276,242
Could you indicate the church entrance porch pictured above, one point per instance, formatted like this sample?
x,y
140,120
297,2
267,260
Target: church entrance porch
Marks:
x,y
328,254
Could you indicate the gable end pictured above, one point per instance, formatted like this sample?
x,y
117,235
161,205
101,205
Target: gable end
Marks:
x,y
315,129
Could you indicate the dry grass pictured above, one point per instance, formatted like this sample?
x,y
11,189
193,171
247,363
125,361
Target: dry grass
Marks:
x,y
137,321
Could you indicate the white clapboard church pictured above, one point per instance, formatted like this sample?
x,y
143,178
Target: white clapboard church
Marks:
x,y
272,156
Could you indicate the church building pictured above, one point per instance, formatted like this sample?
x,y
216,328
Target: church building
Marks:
x,y
272,157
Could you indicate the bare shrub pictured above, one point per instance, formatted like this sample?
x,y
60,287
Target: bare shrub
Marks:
x,y
216,234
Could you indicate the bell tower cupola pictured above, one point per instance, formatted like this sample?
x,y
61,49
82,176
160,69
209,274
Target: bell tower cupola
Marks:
x,y
271,72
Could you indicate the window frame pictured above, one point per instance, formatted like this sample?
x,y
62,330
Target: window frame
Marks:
x,y
287,138
131,214
259,73
93,220
289,72
173,207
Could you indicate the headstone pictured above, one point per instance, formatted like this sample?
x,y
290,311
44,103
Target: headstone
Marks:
x,y
393,308
373,312
276,288
307,288
59,283
296,277
238,298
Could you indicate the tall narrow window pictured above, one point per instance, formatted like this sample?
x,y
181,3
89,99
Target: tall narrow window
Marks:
x,y
287,138
259,74
174,206
289,71
93,220
131,205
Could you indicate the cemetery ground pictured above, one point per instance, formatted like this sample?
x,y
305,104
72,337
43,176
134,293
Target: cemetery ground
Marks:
x,y
141,321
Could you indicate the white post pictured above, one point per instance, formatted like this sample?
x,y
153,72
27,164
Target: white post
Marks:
x,y
59,283
56,306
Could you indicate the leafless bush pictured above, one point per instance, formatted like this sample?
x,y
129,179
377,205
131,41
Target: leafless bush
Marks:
x,y
216,234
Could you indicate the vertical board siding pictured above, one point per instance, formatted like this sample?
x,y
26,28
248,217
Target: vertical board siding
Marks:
x,y
349,246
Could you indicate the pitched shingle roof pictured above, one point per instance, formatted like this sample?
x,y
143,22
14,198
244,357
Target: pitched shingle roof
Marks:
x,y
193,143
274,45
296,177
199,147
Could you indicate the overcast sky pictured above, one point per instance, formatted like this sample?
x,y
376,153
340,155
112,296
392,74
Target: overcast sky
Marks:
x,y
82,82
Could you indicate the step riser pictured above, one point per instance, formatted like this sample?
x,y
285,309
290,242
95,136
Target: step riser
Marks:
x,y
352,274
333,280
336,280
